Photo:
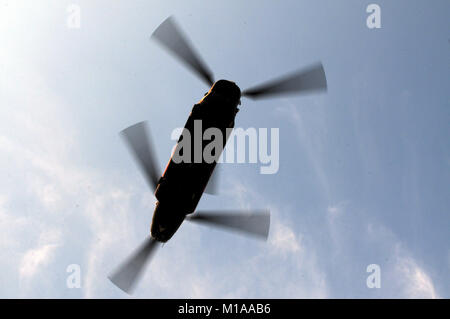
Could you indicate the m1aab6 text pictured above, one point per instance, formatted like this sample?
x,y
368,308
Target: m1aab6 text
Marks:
x,y
243,308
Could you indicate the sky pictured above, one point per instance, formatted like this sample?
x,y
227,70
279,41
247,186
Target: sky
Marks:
x,y
364,172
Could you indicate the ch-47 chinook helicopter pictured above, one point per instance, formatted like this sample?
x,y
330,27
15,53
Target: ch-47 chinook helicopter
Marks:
x,y
179,189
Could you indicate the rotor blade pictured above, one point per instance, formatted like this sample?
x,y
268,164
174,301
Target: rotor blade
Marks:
x,y
212,188
170,36
137,139
251,223
306,80
128,273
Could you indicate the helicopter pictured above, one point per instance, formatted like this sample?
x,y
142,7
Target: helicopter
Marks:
x,y
179,189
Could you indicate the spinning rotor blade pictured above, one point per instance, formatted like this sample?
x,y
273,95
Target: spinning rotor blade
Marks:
x,y
128,273
306,80
254,223
170,36
212,188
139,143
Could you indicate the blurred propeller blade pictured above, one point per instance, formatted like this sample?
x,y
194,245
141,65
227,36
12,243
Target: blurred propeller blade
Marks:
x,y
137,139
256,223
305,80
212,188
128,273
171,37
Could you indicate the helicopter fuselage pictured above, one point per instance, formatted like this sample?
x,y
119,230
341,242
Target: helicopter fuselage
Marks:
x,y
183,182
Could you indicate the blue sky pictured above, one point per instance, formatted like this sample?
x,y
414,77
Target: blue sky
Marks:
x,y
364,169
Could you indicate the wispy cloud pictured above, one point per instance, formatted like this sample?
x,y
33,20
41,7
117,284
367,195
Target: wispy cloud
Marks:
x,y
401,273
283,239
35,258
415,281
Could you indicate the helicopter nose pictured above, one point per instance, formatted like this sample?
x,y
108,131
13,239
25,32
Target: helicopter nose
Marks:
x,y
166,221
160,233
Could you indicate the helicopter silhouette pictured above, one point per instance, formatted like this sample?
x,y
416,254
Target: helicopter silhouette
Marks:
x,y
182,184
